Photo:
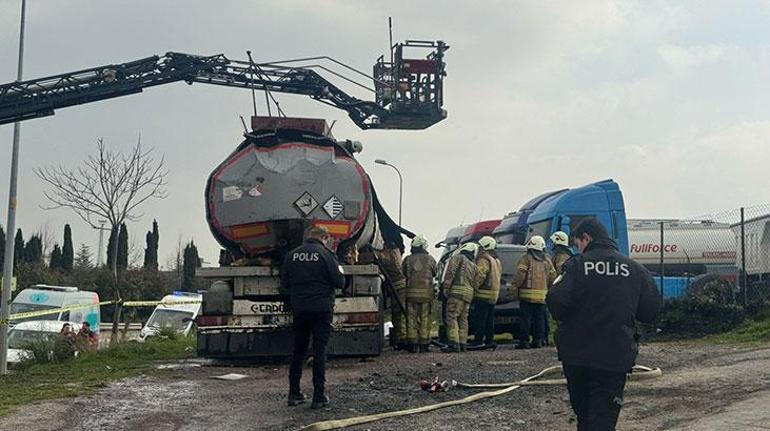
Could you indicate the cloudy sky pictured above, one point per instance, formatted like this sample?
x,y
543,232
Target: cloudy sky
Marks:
x,y
670,99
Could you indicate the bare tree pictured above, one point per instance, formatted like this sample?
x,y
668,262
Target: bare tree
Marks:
x,y
135,254
48,237
110,186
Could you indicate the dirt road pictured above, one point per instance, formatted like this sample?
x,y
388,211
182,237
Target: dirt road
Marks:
x,y
703,387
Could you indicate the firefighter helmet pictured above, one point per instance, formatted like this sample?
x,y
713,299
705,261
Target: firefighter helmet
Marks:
x,y
536,243
469,247
487,243
420,242
560,238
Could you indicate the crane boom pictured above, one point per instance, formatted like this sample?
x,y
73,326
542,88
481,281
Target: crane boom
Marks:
x,y
409,93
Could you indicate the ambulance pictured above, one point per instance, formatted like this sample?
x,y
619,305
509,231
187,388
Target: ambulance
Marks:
x,y
76,305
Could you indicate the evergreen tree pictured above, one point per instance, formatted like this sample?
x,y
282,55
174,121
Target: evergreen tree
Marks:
x,y
83,258
57,262
123,247
190,262
2,248
33,250
68,253
151,252
111,247
18,249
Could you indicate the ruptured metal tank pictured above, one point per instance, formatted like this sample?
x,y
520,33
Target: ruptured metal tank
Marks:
x,y
285,177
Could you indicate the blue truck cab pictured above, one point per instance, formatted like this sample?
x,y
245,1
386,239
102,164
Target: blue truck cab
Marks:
x,y
564,210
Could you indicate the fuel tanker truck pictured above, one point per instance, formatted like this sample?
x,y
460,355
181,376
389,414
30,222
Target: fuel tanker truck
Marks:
x,y
288,176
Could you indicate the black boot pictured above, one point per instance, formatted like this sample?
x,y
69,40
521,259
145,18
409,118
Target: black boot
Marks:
x,y
319,402
450,348
463,347
537,344
521,346
412,348
296,398
424,348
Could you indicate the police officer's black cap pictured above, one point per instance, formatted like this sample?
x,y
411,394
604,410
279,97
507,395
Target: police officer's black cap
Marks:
x,y
591,226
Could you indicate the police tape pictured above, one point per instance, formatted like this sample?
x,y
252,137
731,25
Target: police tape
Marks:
x,y
39,313
46,312
151,303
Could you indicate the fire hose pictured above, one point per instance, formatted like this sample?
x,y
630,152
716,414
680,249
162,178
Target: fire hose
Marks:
x,y
639,372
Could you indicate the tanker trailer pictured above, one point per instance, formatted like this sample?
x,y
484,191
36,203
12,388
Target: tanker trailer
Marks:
x,y
287,176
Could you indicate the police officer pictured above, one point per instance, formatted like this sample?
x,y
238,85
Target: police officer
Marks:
x,y
390,261
419,268
561,250
458,286
597,300
311,273
487,291
534,274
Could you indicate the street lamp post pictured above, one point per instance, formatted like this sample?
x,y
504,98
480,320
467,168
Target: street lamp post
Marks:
x,y
5,296
101,230
400,186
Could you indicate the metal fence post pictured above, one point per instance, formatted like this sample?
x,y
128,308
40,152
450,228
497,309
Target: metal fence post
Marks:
x,y
662,247
744,283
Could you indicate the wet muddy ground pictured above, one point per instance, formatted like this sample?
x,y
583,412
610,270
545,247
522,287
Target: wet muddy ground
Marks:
x,y
703,387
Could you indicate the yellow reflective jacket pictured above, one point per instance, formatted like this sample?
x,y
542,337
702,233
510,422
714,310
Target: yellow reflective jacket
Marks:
x,y
533,278
459,278
488,278
419,268
560,256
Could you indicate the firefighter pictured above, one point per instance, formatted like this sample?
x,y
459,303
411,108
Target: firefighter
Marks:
x,y
420,270
561,253
534,274
390,262
487,291
561,250
596,300
311,273
458,287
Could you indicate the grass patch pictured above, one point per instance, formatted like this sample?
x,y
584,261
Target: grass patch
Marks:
x,y
89,371
755,330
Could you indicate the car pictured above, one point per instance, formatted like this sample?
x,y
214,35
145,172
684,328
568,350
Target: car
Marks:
x,y
25,333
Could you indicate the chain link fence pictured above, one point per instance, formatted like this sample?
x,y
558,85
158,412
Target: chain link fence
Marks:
x,y
722,257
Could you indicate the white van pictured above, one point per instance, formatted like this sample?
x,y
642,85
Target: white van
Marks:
x,y
43,297
170,314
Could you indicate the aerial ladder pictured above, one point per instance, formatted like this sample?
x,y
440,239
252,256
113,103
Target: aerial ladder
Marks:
x,y
408,91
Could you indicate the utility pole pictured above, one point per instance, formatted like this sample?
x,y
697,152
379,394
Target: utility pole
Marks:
x,y
5,297
101,242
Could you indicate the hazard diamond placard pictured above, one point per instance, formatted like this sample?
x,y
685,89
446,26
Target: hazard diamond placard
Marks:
x,y
333,207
